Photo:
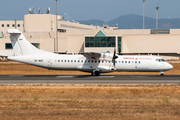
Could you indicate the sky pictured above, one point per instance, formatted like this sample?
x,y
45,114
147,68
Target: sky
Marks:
x,y
77,10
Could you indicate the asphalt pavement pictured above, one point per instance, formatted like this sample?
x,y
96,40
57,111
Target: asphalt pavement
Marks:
x,y
87,79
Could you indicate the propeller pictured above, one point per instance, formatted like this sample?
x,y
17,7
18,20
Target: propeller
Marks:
x,y
114,57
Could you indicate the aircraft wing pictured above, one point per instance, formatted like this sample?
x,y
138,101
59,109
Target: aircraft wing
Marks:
x,y
92,55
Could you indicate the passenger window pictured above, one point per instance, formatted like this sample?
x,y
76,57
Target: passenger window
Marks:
x,y
68,60
89,61
102,61
139,62
99,61
71,60
132,61
119,61
122,61
125,61
135,61
95,61
78,60
81,60
61,60
129,61
116,61
92,61
74,60
64,60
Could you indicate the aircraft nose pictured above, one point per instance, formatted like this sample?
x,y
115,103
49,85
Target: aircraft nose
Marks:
x,y
170,66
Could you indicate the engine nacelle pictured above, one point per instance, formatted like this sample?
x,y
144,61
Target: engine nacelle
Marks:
x,y
107,56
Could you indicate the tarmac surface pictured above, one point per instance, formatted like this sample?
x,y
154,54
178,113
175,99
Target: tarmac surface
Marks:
x,y
87,79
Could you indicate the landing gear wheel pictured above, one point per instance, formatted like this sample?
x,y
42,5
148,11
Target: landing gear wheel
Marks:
x,y
92,73
97,73
162,73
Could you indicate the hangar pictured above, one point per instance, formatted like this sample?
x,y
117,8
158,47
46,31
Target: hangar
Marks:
x,y
74,37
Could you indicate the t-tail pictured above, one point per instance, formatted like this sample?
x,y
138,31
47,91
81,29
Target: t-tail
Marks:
x,y
20,45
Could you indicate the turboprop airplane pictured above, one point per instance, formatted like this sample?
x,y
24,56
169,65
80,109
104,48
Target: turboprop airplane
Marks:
x,y
92,62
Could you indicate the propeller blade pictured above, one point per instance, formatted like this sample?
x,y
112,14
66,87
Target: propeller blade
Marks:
x,y
114,62
114,52
114,57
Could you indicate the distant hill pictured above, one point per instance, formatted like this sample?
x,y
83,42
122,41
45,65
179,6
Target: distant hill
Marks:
x,y
94,22
132,21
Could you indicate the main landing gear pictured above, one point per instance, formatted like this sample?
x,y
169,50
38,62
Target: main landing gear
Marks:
x,y
162,73
96,73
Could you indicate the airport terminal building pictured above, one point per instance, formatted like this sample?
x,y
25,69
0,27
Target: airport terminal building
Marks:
x,y
74,37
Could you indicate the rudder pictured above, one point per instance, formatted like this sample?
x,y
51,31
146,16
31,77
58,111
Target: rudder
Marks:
x,y
19,43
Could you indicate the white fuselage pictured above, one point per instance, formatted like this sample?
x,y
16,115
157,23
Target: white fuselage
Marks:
x,y
92,62
81,63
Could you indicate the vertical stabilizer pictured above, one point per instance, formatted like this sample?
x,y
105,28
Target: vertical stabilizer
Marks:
x,y
20,45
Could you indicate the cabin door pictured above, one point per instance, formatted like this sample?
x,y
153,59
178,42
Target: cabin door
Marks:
x,y
136,64
49,63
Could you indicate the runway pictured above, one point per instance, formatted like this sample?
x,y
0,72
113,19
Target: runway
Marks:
x,y
87,79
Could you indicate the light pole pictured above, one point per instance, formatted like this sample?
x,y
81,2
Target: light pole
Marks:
x,y
56,44
143,12
157,17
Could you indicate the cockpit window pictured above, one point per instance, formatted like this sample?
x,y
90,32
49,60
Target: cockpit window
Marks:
x,y
160,60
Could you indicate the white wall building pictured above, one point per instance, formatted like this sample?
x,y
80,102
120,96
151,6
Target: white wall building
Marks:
x,y
73,37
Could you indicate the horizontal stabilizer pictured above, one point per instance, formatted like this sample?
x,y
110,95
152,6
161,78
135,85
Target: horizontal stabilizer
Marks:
x,y
10,31
6,53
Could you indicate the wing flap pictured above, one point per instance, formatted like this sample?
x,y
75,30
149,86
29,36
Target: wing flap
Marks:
x,y
92,55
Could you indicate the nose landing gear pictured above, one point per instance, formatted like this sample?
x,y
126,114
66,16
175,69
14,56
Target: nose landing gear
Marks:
x,y
162,73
